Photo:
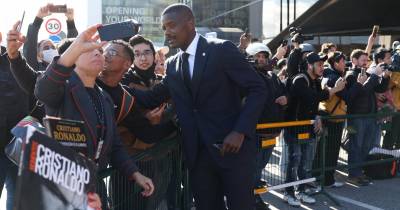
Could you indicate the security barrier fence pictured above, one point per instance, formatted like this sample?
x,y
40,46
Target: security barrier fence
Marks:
x,y
278,160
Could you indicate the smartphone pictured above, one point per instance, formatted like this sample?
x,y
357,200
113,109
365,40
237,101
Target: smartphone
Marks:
x,y
375,30
22,21
116,31
363,72
58,8
284,42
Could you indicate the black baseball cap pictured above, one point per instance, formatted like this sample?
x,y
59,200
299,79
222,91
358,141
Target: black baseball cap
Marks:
x,y
313,57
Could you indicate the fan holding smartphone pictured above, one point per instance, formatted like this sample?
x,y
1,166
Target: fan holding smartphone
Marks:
x,y
40,54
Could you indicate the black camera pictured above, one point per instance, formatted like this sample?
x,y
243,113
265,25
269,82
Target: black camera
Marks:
x,y
297,35
388,67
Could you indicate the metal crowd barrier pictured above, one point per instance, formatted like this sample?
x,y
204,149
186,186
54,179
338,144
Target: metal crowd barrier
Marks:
x,y
163,163
328,143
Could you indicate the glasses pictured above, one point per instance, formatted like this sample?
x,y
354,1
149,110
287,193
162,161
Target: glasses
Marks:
x,y
146,53
112,53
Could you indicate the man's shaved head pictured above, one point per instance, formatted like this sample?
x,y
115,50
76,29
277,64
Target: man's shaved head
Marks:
x,y
181,10
178,25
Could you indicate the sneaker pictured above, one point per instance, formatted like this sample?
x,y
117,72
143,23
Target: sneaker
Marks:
x,y
313,190
336,184
306,198
292,201
359,181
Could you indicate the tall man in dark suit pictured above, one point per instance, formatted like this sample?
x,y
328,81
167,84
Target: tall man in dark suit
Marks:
x,y
205,81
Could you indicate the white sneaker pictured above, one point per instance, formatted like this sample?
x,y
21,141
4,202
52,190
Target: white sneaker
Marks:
x,y
336,184
292,201
305,198
313,190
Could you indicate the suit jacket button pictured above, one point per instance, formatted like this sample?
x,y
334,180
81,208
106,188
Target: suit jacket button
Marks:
x,y
195,110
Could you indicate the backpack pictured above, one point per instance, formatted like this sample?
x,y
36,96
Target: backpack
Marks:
x,y
381,170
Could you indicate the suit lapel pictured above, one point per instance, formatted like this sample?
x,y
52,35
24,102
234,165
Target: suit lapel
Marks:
x,y
199,64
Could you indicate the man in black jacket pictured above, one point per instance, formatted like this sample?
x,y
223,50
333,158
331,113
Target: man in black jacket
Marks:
x,y
296,62
305,95
274,108
364,102
14,105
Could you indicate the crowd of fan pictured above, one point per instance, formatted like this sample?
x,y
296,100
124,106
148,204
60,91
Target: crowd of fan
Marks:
x,y
303,84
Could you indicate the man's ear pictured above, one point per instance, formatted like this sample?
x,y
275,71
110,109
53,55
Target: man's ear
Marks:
x,y
127,65
1,37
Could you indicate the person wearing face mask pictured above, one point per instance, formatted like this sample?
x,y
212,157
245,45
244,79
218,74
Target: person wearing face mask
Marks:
x,y
39,55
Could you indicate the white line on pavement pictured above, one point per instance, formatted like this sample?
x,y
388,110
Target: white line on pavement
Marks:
x,y
354,202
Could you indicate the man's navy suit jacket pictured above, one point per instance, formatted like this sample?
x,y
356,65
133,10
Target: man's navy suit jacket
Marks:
x,y
214,106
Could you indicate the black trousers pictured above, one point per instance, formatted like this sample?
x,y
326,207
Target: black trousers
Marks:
x,y
332,149
210,183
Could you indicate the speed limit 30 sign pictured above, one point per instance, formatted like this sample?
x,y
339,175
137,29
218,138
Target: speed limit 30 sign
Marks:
x,y
53,26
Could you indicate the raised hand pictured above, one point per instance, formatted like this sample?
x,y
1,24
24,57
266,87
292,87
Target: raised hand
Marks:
x,y
85,42
70,14
44,11
14,41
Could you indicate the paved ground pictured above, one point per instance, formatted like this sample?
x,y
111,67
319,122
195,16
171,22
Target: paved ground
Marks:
x,y
382,194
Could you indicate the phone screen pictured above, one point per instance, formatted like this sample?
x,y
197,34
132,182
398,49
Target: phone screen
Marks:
x,y
116,31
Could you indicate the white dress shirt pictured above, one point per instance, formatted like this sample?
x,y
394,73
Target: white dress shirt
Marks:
x,y
191,50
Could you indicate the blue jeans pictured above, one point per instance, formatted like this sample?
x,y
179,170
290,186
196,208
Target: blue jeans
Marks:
x,y
8,175
361,142
301,156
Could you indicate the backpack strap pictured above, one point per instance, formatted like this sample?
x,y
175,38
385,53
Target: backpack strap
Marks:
x,y
301,75
336,106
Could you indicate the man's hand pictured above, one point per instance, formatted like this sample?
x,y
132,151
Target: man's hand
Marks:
x,y
155,115
281,52
144,183
378,70
318,125
70,14
245,40
362,78
282,100
14,41
44,11
340,84
94,201
381,97
232,143
85,42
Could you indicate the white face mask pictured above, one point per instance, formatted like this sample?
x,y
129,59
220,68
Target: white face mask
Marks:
x,y
48,55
